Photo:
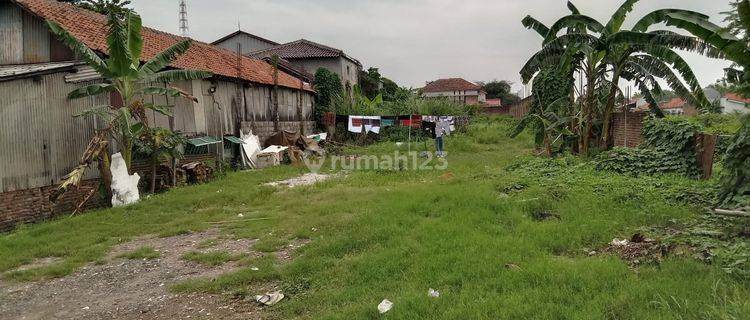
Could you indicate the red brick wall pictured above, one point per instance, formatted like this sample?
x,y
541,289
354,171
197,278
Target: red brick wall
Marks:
x,y
33,205
627,129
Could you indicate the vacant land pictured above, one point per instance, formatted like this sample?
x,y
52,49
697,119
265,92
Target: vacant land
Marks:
x,y
499,233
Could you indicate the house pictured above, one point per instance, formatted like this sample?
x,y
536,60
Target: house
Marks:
x,y
455,89
42,141
305,55
243,42
732,102
674,106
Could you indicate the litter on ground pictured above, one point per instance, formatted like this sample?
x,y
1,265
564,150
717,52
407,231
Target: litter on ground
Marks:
x,y
304,180
270,299
432,293
385,306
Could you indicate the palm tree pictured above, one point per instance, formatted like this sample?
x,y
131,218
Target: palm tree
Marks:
x,y
611,54
127,77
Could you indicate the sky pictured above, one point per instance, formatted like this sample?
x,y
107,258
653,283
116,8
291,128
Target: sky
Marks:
x,y
413,41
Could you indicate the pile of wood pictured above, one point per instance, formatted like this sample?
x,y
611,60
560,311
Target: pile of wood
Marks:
x,y
198,172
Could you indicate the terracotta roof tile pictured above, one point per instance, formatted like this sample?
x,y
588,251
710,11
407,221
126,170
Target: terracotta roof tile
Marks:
x,y
91,29
452,84
736,97
675,103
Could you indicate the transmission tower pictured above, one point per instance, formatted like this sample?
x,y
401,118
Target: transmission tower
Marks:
x,y
184,30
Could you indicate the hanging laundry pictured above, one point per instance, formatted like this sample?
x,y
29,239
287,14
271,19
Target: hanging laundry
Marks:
x,y
371,124
404,121
355,124
442,127
416,121
387,121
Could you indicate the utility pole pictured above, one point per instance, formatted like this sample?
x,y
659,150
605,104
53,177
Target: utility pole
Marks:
x,y
184,30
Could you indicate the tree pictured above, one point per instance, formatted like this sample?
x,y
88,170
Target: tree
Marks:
x,y
103,6
327,87
370,82
159,144
392,92
605,54
500,90
127,78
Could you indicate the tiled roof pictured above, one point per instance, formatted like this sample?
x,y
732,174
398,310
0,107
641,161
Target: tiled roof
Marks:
x,y
90,28
452,84
302,49
736,97
675,103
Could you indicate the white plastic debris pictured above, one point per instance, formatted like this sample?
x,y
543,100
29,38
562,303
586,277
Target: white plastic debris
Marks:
x,y
432,293
270,299
619,243
254,268
124,186
240,215
250,149
385,306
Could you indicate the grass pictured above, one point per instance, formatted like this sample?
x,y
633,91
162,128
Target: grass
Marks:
x,y
142,253
394,234
212,258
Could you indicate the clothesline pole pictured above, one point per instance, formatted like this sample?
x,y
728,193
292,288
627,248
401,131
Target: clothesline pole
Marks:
x,y
409,135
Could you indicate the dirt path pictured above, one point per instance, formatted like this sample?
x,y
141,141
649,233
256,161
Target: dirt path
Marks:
x,y
132,289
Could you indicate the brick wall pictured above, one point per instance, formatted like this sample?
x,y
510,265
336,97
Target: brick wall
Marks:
x,y
32,205
627,129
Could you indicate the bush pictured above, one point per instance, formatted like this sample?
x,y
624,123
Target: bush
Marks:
x,y
668,147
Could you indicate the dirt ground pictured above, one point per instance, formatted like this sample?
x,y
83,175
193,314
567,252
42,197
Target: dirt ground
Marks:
x,y
134,289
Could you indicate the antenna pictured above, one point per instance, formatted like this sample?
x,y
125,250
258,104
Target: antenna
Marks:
x,y
184,30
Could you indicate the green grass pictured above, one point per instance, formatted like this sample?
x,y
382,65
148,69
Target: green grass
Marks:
x,y
213,258
142,253
386,234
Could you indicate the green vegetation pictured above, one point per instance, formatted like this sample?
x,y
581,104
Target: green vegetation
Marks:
x,y
212,258
126,77
142,253
472,232
604,54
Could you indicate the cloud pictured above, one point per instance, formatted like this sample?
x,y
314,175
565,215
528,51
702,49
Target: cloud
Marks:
x,y
411,41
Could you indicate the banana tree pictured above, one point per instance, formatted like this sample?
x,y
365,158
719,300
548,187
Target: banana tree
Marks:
x,y
614,54
127,77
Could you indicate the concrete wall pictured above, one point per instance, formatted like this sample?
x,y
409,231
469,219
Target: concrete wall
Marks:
x,y
347,70
731,106
248,44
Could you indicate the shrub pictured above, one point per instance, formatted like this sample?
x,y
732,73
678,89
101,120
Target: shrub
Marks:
x,y
668,147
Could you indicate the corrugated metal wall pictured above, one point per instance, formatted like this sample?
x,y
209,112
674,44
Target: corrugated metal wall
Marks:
x,y
41,140
11,33
24,38
36,40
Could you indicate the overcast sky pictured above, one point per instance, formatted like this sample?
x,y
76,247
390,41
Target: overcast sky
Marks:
x,y
412,41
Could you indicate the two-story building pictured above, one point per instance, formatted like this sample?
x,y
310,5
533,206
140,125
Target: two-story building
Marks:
x,y
304,56
455,89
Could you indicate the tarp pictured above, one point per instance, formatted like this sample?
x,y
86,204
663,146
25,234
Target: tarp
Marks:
x,y
294,139
250,148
